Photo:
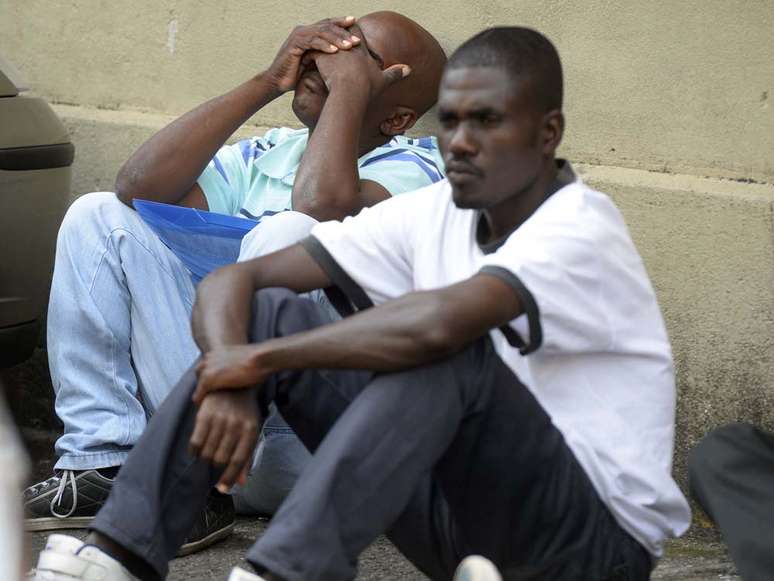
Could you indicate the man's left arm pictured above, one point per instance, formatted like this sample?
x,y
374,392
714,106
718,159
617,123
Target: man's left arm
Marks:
x,y
327,185
415,329
418,328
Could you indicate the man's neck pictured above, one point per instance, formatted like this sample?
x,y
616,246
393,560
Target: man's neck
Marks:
x,y
511,213
367,141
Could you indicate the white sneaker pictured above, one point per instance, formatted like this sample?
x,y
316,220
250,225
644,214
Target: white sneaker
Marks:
x,y
477,568
66,558
238,574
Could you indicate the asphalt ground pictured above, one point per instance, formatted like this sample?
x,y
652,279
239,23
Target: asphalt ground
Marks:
x,y
685,560
699,556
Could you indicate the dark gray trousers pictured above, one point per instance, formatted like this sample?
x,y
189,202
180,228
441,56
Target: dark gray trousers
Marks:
x,y
449,459
731,475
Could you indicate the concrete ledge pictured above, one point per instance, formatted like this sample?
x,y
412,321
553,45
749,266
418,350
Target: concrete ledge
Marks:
x,y
707,244
104,140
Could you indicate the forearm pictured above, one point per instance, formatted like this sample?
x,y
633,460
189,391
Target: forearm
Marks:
x,y
416,329
327,183
221,313
400,334
166,167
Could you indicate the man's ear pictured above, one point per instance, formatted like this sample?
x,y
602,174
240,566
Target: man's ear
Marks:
x,y
401,119
553,129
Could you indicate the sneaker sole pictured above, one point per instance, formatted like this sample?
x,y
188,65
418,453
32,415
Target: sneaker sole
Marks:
x,y
83,522
475,568
56,524
210,539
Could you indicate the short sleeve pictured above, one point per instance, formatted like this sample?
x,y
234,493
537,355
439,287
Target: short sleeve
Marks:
x,y
228,177
554,262
403,169
372,251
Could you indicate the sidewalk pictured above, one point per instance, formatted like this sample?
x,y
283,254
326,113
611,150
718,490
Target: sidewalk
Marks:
x,y
686,560
699,557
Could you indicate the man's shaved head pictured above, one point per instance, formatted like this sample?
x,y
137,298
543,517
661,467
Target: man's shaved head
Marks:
x,y
523,54
389,40
403,41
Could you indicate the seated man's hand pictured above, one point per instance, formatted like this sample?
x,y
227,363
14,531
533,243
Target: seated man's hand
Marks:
x,y
229,367
327,36
226,432
358,68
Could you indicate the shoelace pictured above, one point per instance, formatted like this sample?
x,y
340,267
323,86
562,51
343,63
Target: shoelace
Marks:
x,y
61,480
60,492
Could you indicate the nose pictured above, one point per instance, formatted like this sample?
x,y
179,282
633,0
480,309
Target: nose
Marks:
x,y
462,140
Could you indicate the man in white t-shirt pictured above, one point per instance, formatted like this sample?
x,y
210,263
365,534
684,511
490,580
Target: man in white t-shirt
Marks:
x,y
510,395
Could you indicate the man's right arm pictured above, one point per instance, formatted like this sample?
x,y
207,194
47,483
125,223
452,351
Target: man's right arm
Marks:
x,y
165,168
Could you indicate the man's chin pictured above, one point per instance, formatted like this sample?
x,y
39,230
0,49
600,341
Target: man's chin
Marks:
x,y
465,200
307,107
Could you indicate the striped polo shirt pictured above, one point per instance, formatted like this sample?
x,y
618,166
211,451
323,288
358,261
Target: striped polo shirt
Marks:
x,y
254,177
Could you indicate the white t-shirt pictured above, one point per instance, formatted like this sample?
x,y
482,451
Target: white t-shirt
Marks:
x,y
592,345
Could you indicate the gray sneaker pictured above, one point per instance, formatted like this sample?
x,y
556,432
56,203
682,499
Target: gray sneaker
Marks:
x,y
71,499
68,500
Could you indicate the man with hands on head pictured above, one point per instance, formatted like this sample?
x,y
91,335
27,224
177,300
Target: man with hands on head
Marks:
x,y
511,394
118,324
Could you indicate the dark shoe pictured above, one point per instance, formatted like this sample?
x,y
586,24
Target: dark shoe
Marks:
x,y
68,500
71,499
214,524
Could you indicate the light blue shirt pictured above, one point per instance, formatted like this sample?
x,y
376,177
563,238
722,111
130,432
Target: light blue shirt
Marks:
x,y
254,177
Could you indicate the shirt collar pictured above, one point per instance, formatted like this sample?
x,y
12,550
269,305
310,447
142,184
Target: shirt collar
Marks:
x,y
564,177
281,161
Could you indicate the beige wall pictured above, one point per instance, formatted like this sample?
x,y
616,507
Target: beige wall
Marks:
x,y
673,86
683,89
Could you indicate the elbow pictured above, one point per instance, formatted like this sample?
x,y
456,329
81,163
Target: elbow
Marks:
x,y
322,211
435,333
437,343
125,186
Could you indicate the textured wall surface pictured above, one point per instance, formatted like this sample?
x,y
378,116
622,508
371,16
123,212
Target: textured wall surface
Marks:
x,y
672,86
680,89
708,247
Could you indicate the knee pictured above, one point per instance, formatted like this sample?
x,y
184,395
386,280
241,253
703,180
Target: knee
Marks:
x,y
709,458
279,312
91,210
275,233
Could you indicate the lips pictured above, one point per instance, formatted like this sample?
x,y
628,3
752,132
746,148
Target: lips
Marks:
x,y
461,171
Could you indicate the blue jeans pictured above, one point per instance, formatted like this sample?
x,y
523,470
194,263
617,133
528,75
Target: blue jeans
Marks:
x,y
119,337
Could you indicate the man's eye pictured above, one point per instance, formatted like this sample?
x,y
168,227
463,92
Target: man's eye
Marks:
x,y
377,58
447,121
489,120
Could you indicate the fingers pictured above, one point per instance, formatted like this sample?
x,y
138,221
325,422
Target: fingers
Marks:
x,y
242,478
225,446
238,462
199,393
328,35
322,44
214,437
199,436
343,21
395,73
337,27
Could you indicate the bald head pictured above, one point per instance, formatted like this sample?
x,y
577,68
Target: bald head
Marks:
x,y
399,40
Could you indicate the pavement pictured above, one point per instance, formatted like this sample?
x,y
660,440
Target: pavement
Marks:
x,y
685,560
699,556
